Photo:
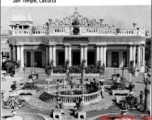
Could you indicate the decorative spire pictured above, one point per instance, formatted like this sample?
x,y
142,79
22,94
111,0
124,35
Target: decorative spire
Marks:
x,y
76,10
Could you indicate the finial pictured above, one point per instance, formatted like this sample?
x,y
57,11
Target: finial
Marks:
x,y
76,10
134,24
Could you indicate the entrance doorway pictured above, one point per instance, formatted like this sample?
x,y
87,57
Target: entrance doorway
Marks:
x,y
61,58
28,54
115,59
91,58
38,59
76,57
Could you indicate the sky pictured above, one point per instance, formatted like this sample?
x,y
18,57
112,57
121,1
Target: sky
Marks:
x,y
120,16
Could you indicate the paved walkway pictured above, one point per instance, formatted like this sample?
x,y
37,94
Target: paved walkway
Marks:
x,y
5,85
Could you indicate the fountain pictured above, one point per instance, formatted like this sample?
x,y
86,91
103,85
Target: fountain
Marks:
x,y
73,92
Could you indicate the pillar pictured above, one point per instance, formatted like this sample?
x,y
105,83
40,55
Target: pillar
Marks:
x,y
138,60
54,55
22,56
47,56
105,49
1,58
130,52
82,57
18,53
101,54
66,53
143,57
14,53
120,59
134,55
97,53
70,55
86,52
50,54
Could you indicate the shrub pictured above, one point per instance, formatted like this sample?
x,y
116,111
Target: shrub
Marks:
x,y
131,69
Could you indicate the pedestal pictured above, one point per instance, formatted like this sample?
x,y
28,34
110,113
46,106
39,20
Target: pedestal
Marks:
x,y
35,76
57,114
81,114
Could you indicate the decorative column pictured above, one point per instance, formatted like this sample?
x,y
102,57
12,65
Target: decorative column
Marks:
x,y
14,53
105,49
47,56
143,59
22,56
54,55
97,53
130,52
101,54
86,52
70,56
50,54
134,55
138,60
18,53
82,53
66,53
121,59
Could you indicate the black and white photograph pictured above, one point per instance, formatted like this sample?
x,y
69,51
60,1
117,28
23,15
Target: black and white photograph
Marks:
x,y
76,62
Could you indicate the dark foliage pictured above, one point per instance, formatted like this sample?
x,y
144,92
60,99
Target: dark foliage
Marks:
x,y
131,69
148,52
30,86
45,96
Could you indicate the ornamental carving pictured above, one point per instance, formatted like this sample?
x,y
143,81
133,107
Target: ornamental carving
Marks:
x,y
77,19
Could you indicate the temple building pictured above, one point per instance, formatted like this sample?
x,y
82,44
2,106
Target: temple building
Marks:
x,y
75,38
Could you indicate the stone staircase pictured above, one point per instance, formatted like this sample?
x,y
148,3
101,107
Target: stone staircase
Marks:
x,y
42,75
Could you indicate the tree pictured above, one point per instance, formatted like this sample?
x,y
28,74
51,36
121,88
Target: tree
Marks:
x,y
146,92
49,69
148,52
101,68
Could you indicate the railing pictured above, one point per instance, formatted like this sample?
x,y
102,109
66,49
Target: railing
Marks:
x,y
69,99
83,31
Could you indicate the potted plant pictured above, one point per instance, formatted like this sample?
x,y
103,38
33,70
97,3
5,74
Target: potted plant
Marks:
x,y
83,64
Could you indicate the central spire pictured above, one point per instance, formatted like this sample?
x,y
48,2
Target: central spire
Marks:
x,y
76,10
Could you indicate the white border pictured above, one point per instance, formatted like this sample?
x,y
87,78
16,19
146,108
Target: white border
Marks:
x,y
79,3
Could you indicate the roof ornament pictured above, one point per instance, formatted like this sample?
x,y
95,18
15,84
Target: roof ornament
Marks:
x,y
134,25
76,10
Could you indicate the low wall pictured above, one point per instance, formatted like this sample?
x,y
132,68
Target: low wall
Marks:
x,y
69,99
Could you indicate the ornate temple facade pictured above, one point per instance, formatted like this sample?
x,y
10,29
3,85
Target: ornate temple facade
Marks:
x,y
75,38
